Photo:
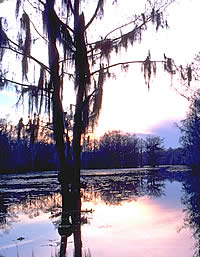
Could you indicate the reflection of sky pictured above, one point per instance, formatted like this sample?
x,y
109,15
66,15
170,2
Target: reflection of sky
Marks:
x,y
172,201
38,234
146,227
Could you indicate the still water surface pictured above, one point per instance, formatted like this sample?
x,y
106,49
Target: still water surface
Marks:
x,y
132,213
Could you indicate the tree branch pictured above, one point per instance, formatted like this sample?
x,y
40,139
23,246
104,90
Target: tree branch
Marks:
x,y
38,31
41,2
12,42
134,30
26,85
122,63
120,27
69,74
116,41
94,15
28,56
70,5
36,8
181,94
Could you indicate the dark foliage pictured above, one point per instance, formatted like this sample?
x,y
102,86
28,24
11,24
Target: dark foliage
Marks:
x,y
114,150
190,129
19,156
83,53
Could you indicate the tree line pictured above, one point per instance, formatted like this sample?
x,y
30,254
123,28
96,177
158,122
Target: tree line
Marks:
x,y
116,149
72,50
20,151
31,148
190,131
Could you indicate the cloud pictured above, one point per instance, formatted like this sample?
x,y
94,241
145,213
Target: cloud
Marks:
x,y
166,130
169,131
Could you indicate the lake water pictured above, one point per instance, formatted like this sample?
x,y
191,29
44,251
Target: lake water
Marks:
x,y
132,213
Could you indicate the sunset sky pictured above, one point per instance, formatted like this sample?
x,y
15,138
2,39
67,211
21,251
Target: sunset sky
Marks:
x,y
127,104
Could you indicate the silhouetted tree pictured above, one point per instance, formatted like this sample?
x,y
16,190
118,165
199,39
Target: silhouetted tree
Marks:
x,y
141,147
118,149
191,189
174,156
190,130
20,126
3,124
17,155
154,147
65,34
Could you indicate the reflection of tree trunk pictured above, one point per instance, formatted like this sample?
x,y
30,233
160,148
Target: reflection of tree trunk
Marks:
x,y
65,228
198,250
77,241
63,246
76,219
71,207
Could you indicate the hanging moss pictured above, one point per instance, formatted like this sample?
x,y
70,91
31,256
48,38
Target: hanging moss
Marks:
x,y
25,26
148,69
18,4
189,74
97,100
3,38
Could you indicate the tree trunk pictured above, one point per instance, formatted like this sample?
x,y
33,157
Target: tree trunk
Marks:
x,y
77,147
81,81
58,119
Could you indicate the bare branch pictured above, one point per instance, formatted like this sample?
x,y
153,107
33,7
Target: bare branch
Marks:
x,y
36,7
122,26
38,31
12,42
94,15
122,63
30,86
70,5
28,56
181,94
41,2
69,74
134,30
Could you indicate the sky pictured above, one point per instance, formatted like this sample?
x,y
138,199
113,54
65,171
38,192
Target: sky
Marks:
x,y
128,105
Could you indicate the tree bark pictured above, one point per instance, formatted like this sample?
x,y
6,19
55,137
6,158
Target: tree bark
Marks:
x,y
58,118
81,81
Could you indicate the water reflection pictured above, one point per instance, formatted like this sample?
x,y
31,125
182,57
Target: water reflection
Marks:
x,y
117,188
133,213
3,210
191,200
30,208
70,221
41,193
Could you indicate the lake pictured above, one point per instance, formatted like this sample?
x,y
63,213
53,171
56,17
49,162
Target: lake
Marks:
x,y
126,212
